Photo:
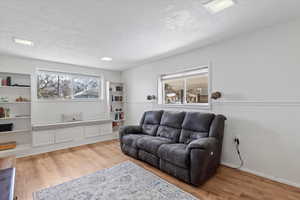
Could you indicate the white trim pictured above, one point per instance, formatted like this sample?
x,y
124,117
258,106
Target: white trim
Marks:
x,y
187,69
67,72
67,100
27,149
16,131
185,73
184,92
16,102
257,102
277,179
161,93
184,106
209,89
14,118
15,73
36,127
100,80
14,87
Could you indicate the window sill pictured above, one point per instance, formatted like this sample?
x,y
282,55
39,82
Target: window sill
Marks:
x,y
187,106
67,100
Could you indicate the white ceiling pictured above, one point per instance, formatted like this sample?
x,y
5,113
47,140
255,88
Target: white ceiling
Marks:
x,y
132,32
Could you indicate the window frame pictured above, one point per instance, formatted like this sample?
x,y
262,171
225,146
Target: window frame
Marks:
x,y
184,74
72,75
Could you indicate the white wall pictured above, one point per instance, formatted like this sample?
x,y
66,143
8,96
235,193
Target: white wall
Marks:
x,y
50,112
258,74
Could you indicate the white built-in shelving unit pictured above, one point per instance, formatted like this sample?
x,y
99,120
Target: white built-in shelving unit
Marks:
x,y
38,138
19,112
115,91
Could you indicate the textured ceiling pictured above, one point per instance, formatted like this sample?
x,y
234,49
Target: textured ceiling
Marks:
x,y
132,32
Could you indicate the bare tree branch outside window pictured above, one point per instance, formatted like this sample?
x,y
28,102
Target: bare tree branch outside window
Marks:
x,y
52,85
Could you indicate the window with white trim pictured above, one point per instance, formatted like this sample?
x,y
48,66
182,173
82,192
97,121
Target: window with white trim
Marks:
x,y
67,86
190,87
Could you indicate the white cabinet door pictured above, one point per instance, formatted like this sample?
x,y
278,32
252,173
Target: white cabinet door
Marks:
x,y
42,138
106,129
65,134
92,131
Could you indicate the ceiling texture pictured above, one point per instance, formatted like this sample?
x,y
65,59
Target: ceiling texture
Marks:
x,y
132,32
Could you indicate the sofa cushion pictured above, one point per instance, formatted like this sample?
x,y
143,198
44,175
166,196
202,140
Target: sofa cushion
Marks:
x,y
151,121
170,125
149,158
129,150
179,172
195,125
151,144
131,139
176,154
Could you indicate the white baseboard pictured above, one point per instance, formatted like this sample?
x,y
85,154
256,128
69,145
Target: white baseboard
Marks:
x,y
280,180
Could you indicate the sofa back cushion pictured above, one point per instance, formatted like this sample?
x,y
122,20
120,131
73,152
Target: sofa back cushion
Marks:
x,y
150,122
170,125
195,125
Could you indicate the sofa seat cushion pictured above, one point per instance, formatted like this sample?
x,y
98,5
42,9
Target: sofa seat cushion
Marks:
x,y
131,139
130,151
179,172
177,154
151,144
148,158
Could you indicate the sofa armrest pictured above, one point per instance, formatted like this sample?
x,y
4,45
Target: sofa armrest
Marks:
x,y
125,130
204,155
209,144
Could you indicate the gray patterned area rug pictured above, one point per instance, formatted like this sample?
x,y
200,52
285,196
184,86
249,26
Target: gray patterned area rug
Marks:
x,y
125,181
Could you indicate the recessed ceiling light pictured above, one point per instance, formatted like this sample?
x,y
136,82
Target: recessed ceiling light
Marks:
x,y
106,59
23,42
215,6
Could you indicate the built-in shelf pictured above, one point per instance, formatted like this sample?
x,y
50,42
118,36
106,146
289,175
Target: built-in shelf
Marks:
x,y
115,99
18,88
16,131
120,120
12,118
14,87
117,92
15,102
19,148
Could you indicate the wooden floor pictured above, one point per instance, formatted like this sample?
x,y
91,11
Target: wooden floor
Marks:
x,y
45,170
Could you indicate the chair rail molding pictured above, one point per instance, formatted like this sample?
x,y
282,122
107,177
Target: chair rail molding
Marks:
x,y
257,102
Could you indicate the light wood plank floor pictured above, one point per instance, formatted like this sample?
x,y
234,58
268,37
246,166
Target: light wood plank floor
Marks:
x,y
45,170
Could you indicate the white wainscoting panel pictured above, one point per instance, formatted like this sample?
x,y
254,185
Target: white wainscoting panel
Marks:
x,y
92,131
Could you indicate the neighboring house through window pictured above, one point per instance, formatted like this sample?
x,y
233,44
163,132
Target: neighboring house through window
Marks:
x,y
190,87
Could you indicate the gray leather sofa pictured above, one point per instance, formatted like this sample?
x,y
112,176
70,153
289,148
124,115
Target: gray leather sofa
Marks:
x,y
186,145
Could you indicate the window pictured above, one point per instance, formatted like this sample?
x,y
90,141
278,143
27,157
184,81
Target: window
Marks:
x,y
174,91
64,86
85,87
185,88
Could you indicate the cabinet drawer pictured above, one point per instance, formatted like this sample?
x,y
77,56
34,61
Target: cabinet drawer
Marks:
x,y
43,138
92,131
